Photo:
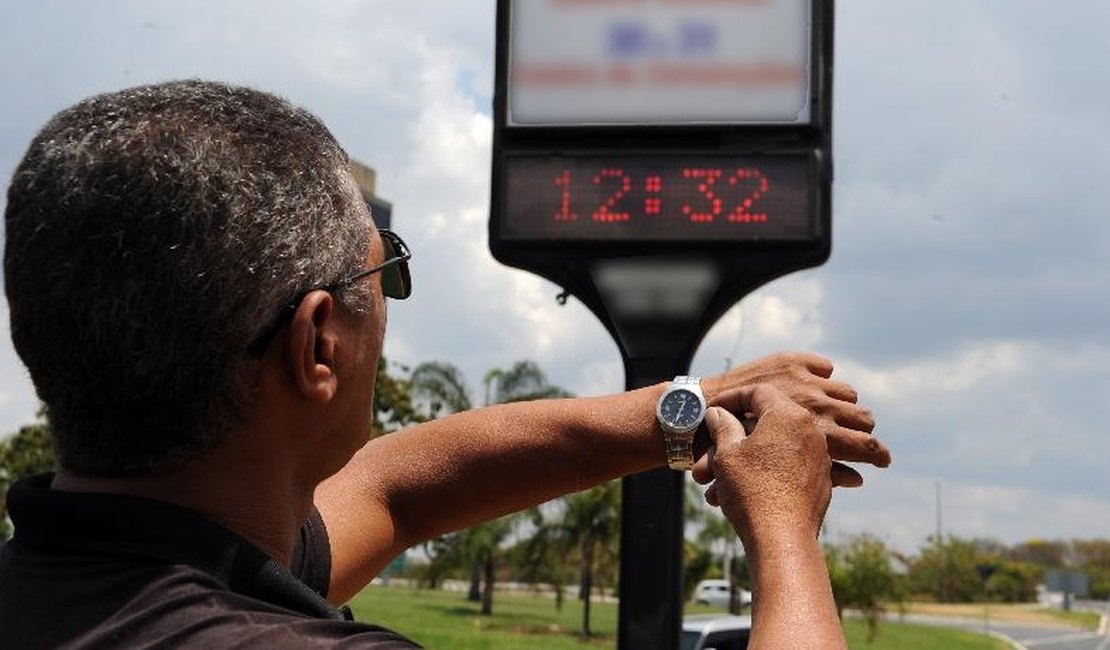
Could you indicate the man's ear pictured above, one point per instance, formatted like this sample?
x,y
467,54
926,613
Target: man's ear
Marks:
x,y
312,345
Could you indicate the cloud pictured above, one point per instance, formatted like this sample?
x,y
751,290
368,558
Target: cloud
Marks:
x,y
966,294
903,511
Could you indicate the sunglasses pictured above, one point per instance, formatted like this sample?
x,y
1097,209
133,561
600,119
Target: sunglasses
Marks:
x,y
396,284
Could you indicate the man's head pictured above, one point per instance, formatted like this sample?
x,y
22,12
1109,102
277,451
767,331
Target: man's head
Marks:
x,y
153,234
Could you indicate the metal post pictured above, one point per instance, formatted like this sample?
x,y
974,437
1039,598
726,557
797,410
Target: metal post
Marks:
x,y
651,540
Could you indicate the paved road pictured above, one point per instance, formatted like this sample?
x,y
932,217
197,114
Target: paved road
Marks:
x,y
1024,636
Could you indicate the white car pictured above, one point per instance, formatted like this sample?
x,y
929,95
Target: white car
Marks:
x,y
716,632
715,592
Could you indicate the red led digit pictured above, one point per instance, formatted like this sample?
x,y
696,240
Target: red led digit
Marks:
x,y
755,179
606,209
564,213
653,184
707,179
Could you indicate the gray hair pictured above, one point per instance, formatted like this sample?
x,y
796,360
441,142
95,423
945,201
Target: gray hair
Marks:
x,y
152,234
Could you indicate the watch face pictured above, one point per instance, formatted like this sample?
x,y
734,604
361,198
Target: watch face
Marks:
x,y
681,409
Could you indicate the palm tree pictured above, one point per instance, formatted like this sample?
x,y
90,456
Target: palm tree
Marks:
x,y
585,525
592,523
442,390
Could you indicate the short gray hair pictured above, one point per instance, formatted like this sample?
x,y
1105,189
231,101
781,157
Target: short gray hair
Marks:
x,y
151,235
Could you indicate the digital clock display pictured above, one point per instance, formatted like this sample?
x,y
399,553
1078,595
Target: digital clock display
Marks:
x,y
659,198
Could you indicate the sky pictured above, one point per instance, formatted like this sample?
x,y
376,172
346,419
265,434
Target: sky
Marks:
x,y
966,296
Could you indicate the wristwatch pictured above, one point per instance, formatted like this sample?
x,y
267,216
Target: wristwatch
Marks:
x,y
680,412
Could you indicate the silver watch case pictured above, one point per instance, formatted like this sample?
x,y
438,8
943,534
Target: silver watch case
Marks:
x,y
680,384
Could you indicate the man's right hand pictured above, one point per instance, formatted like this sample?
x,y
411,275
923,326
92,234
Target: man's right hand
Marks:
x,y
775,480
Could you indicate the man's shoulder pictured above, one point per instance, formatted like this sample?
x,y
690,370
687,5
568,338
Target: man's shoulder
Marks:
x,y
180,613
164,607
110,571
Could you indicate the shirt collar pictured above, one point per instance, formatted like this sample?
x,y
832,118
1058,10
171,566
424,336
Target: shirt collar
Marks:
x,y
129,525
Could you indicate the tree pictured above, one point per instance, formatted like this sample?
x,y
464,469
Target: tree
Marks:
x,y
862,578
947,570
592,525
1093,556
393,403
29,451
541,557
585,526
441,389
1013,582
1044,553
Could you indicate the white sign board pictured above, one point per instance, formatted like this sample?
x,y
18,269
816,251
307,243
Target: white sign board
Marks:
x,y
660,62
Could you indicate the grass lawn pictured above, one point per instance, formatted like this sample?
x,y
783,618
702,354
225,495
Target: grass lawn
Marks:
x,y
1019,613
439,619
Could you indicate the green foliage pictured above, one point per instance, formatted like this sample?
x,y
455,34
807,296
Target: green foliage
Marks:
x,y
1093,557
1040,552
956,570
947,570
439,389
1014,582
521,382
30,451
584,527
393,405
438,619
862,579
700,564
897,636
715,545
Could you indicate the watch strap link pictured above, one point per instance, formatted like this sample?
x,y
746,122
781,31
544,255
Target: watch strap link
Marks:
x,y
680,451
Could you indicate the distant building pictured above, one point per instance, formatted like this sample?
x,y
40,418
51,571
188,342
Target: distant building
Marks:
x,y
367,179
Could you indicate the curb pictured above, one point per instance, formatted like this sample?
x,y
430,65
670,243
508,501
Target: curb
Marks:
x,y
1007,639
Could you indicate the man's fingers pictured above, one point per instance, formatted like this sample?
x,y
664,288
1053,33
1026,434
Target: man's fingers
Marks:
x,y
844,476
750,399
831,399
722,426
854,446
700,471
840,390
815,363
846,414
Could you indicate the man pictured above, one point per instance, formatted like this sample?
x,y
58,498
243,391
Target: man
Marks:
x,y
198,292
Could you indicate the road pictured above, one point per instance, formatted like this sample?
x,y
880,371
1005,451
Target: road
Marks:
x,y
1030,637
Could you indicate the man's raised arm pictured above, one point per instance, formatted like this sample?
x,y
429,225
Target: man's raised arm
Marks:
x,y
448,474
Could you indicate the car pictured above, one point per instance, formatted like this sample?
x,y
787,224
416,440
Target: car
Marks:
x,y
716,632
715,592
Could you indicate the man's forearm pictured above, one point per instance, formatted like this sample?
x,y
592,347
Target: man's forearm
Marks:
x,y
451,473
793,606
470,467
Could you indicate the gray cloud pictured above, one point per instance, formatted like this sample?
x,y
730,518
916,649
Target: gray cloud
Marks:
x,y
966,295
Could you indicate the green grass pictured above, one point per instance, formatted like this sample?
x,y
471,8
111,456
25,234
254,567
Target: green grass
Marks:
x,y
1086,620
438,619
1002,612
903,636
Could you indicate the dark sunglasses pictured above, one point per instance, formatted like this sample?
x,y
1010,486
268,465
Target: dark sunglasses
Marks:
x,y
396,284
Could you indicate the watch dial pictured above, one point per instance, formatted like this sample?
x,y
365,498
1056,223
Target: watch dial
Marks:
x,y
681,409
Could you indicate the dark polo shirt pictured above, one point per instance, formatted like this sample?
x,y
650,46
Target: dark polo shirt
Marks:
x,y
109,571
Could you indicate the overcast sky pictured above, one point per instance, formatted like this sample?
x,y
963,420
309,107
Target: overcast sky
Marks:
x,y
967,297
